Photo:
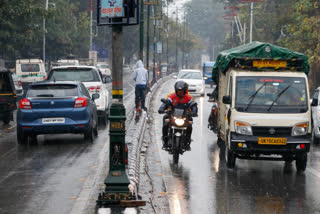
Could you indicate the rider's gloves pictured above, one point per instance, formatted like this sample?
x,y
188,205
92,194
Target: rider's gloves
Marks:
x,y
161,110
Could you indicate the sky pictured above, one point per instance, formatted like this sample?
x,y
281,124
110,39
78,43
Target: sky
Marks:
x,y
174,4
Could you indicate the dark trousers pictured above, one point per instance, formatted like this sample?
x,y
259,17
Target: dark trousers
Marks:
x,y
140,93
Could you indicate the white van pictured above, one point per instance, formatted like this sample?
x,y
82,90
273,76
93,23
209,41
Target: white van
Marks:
x,y
30,70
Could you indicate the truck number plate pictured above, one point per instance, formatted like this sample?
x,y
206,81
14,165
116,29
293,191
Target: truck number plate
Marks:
x,y
272,141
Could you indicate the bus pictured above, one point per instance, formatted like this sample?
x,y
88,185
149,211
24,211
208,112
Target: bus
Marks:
x,y
207,71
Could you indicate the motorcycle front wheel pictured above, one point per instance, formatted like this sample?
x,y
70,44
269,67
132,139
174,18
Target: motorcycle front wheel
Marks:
x,y
176,148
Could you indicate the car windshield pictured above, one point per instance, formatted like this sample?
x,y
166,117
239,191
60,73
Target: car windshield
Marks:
x,y
53,91
271,94
83,75
30,67
189,75
5,85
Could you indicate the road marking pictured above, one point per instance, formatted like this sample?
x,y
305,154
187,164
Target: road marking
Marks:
x,y
314,172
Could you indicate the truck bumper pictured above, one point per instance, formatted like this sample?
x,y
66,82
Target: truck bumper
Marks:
x,y
247,147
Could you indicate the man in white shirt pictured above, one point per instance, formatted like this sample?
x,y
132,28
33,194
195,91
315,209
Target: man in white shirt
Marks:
x,y
140,75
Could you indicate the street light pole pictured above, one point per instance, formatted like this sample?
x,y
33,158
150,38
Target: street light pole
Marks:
x,y
183,38
148,37
90,48
167,35
251,21
44,35
177,67
141,30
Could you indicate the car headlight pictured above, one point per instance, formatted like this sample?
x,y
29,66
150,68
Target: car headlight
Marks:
x,y
243,128
300,129
179,122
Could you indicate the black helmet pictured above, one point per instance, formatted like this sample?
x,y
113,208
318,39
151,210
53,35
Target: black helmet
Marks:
x,y
181,86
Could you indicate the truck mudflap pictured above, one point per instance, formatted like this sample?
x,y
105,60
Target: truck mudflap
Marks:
x,y
247,146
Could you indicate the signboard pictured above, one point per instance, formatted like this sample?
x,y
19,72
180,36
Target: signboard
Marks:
x,y
159,47
112,9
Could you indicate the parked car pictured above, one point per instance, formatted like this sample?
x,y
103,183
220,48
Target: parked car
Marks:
x,y
194,79
30,71
55,107
315,108
18,85
7,96
91,78
104,68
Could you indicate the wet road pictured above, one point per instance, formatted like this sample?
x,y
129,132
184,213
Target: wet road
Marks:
x,y
201,183
50,176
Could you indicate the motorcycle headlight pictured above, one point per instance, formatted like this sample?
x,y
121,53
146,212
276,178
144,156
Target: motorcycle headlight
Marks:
x,y
243,128
300,129
179,122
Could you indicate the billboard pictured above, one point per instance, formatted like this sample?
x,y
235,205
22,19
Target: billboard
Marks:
x,y
112,9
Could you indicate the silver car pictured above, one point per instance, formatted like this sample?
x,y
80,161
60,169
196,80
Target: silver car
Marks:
x,y
17,85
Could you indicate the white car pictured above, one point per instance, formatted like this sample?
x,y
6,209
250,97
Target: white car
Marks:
x,y
91,79
194,79
104,68
17,85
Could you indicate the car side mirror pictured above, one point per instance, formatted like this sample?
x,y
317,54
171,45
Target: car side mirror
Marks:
x,y
314,102
205,77
175,77
208,94
95,96
226,100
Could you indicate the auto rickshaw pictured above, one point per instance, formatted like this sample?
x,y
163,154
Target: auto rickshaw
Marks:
x,y
8,96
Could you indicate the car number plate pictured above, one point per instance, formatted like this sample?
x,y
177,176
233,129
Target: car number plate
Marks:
x,y
53,120
272,141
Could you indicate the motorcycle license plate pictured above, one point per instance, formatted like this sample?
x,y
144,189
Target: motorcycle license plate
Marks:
x,y
272,141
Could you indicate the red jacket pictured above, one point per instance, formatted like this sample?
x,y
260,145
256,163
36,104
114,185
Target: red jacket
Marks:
x,y
177,100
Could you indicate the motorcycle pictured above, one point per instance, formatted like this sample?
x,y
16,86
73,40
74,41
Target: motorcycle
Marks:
x,y
212,120
178,142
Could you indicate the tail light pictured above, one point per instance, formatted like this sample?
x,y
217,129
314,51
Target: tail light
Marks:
x,y
19,83
43,78
95,89
80,102
25,104
126,152
92,88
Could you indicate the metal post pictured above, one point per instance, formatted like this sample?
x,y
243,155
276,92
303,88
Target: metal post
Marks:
x,y
44,35
154,50
167,35
251,21
141,30
90,48
177,67
117,180
148,37
183,39
160,54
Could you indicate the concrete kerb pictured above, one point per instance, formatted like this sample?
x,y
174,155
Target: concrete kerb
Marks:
x,y
134,142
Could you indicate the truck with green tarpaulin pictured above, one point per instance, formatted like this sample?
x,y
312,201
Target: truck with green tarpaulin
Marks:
x,y
264,108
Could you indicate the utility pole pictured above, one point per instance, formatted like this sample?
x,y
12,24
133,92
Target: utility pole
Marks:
x,y
148,38
183,38
141,29
44,35
177,67
251,21
154,50
91,26
167,35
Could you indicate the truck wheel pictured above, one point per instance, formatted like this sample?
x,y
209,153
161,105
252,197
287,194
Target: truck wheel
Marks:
x,y
301,161
230,158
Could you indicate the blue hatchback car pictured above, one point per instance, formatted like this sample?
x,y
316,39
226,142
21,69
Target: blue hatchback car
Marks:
x,y
56,107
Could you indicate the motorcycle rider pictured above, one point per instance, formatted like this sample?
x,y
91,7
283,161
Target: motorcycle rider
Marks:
x,y
178,98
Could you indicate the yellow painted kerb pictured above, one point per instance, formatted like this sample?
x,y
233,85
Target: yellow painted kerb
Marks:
x,y
117,92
